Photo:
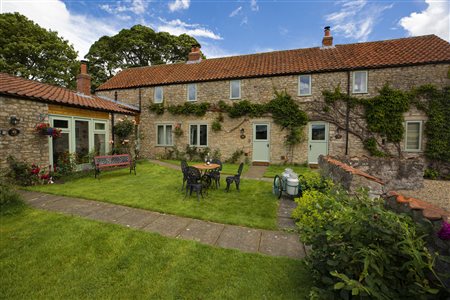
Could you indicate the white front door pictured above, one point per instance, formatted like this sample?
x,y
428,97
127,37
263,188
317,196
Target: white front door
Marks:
x,y
261,142
317,141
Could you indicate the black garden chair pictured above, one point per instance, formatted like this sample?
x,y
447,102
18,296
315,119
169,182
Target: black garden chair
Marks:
x,y
236,178
215,174
194,182
184,166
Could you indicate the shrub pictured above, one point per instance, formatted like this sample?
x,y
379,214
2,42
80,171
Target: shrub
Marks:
x,y
235,156
66,164
124,128
316,182
431,173
10,200
361,249
216,125
20,172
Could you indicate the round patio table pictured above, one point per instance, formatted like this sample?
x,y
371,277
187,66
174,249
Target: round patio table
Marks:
x,y
205,169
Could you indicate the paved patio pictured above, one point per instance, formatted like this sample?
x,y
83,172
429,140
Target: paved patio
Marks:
x,y
274,243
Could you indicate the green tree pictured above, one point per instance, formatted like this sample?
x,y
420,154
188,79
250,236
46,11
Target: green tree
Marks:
x,y
32,52
138,46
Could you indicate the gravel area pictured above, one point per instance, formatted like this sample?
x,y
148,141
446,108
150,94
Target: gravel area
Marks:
x,y
436,192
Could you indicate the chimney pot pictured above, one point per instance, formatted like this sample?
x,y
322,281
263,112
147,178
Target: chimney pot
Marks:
x,y
195,56
327,40
84,79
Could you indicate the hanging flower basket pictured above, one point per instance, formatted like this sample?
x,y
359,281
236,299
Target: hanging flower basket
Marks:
x,y
45,129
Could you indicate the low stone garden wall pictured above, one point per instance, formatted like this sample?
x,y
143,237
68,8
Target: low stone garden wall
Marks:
x,y
350,178
396,173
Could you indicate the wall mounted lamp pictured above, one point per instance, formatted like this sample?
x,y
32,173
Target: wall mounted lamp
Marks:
x,y
14,120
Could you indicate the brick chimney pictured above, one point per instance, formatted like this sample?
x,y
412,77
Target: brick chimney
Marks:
x,y
84,80
195,56
327,40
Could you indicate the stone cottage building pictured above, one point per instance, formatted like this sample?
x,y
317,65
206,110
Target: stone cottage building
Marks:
x,y
84,120
361,68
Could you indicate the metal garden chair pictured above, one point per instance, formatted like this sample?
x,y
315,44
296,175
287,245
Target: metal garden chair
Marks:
x,y
236,178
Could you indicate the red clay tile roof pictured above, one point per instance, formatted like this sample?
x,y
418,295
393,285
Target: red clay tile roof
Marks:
x,y
24,88
398,52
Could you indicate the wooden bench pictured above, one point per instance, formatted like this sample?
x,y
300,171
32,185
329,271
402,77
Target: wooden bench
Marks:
x,y
108,161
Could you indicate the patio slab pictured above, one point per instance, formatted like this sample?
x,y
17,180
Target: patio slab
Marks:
x,y
241,238
277,243
286,207
286,223
138,218
201,231
109,213
168,225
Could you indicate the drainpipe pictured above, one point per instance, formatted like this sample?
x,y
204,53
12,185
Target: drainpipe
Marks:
x,y
347,114
112,121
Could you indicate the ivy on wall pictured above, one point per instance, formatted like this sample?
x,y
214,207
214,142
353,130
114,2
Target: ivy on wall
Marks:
x,y
383,116
436,104
283,109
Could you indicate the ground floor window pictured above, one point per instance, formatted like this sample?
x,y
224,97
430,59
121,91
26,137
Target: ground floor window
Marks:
x,y
164,135
84,137
413,136
198,135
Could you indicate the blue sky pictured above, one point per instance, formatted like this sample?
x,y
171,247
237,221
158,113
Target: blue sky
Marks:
x,y
240,27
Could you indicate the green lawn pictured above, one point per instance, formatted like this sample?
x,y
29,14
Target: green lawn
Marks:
x,y
51,256
158,188
273,170
226,168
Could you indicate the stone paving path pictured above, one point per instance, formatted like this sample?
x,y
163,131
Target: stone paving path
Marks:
x,y
274,243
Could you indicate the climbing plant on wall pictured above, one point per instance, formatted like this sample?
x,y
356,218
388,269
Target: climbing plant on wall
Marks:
x,y
283,109
378,121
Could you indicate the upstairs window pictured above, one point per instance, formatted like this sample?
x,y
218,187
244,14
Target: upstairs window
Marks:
x,y
164,135
159,94
235,89
192,92
304,85
360,82
413,136
198,135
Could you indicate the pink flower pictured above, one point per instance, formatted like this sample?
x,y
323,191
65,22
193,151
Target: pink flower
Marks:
x,y
444,233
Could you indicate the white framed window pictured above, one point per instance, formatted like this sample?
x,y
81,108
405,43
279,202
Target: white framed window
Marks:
x,y
413,136
159,94
304,85
359,82
192,92
235,89
198,135
164,135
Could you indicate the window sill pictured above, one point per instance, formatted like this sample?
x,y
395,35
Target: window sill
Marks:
x,y
161,146
235,98
304,95
204,146
359,93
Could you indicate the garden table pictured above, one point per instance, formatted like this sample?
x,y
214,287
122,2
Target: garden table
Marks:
x,y
205,168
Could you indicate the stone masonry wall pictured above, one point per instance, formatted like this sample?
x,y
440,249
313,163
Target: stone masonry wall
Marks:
x,y
260,90
28,145
396,173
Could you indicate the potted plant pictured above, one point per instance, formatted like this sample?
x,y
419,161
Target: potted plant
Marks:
x,y
177,130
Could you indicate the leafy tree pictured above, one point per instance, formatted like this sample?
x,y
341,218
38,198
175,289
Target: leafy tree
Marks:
x,y
32,52
138,46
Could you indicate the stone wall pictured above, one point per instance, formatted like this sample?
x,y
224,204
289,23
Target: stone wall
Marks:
x,y
28,145
350,178
396,173
260,90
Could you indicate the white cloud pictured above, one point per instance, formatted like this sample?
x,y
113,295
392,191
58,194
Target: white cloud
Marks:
x,y
244,21
212,50
235,12
137,7
179,5
254,5
356,18
178,27
433,20
79,30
